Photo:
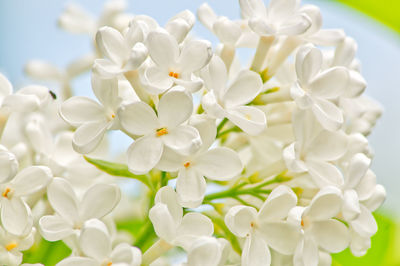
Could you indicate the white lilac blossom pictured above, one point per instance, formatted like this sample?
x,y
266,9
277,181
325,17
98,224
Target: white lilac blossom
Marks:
x,y
261,163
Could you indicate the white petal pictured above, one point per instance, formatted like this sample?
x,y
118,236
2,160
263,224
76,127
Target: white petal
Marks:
x,y
281,8
184,139
227,31
163,222
331,83
359,245
163,49
356,170
206,16
124,253
138,118
296,25
88,136
171,161
31,179
78,110
54,228
327,37
180,25
366,186
328,146
281,236
219,164
365,224
205,251
112,44
94,240
252,8
5,86
99,200
351,205
78,261
190,187
106,68
211,105
63,199
376,199
175,107
194,56
243,90
328,114
308,63
215,75
21,103
325,205
207,129
278,204
345,52
261,27
158,80
192,227
356,85
15,216
239,219
324,174
255,252
293,163
8,166
168,196
106,90
306,253
331,235
248,118
144,154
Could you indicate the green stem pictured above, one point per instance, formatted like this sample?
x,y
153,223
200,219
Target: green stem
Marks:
x,y
144,235
221,125
232,129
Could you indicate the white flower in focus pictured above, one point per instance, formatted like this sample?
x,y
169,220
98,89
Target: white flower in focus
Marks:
x,y
123,52
170,226
92,118
166,128
72,212
265,229
314,150
315,89
180,25
12,245
218,163
319,229
15,213
281,17
174,64
230,102
95,243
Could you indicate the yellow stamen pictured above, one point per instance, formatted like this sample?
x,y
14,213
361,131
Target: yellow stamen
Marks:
x,y
109,264
187,164
113,115
11,246
173,74
5,193
161,131
247,116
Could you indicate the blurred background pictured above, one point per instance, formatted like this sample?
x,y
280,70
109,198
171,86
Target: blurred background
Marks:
x,y
28,30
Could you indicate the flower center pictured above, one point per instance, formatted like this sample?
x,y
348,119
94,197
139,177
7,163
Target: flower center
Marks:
x,y
106,262
161,131
173,74
7,193
11,246
187,164
305,222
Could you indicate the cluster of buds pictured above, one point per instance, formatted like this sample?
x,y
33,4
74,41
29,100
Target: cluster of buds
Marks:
x,y
255,164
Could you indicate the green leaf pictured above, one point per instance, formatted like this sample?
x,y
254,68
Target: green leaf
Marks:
x,y
385,11
47,253
117,169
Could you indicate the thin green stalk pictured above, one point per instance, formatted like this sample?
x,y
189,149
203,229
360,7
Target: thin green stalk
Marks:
x,y
232,129
221,125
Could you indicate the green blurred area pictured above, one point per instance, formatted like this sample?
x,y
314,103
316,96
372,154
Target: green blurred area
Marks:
x,y
385,11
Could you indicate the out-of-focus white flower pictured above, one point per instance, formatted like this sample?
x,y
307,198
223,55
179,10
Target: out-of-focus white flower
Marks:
x,y
166,128
265,229
15,213
230,102
72,212
319,229
180,25
281,17
218,163
208,251
12,245
314,150
96,246
170,226
91,118
174,64
315,89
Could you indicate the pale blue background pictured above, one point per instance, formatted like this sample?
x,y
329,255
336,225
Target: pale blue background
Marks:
x,y
28,30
